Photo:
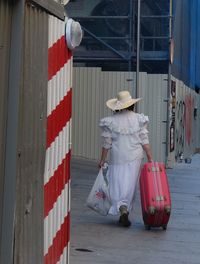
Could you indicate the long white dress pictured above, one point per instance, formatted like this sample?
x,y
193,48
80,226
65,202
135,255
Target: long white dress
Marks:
x,y
124,133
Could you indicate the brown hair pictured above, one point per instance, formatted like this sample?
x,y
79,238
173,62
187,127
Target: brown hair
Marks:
x,y
130,108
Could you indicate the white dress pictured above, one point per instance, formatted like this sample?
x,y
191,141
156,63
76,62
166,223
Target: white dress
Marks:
x,y
124,133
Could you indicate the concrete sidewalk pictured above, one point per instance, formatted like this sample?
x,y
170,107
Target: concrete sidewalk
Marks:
x,y
96,239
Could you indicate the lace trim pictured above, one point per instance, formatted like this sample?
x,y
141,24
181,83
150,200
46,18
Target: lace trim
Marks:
x,y
106,134
143,120
144,131
113,128
108,123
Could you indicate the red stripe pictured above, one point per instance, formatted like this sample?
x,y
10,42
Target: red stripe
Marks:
x,y
59,243
53,189
58,55
59,118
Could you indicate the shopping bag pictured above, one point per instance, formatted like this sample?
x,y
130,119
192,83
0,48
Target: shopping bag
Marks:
x,y
98,199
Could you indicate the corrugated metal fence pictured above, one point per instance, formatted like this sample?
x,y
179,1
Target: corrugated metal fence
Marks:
x,y
92,87
185,135
31,138
5,29
35,125
153,90
57,165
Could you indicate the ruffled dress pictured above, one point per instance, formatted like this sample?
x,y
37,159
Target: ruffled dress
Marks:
x,y
123,134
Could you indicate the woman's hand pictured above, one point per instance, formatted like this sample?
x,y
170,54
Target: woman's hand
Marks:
x,y
101,163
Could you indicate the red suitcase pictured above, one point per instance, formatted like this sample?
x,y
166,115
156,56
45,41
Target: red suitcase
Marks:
x,y
155,195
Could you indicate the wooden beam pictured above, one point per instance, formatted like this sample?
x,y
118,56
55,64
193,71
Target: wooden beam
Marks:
x,y
51,7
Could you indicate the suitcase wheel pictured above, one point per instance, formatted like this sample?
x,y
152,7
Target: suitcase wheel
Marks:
x,y
164,227
147,227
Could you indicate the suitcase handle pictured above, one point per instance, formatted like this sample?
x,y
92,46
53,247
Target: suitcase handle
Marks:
x,y
155,169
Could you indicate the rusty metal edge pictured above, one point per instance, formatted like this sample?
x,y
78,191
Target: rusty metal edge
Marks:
x,y
50,6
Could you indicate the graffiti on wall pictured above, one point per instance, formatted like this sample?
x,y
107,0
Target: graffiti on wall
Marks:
x,y
180,129
173,116
188,118
184,119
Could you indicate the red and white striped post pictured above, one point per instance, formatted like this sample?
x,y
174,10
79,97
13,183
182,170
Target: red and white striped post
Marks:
x,y
57,164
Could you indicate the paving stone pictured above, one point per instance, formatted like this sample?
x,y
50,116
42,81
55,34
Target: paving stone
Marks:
x,y
96,239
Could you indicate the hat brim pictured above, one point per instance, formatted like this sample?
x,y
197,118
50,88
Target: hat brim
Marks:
x,y
112,103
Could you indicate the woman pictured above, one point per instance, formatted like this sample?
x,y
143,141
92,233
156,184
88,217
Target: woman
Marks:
x,y
126,136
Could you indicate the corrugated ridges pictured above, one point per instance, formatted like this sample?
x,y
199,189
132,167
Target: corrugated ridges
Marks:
x,y
57,167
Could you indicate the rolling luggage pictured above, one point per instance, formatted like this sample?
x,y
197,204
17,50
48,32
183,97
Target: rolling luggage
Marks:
x,y
155,195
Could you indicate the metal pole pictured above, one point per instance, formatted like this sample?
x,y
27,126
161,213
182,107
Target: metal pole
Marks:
x,y
169,85
138,47
130,34
104,43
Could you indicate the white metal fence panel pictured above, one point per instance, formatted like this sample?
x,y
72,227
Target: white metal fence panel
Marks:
x,y
86,111
153,90
92,87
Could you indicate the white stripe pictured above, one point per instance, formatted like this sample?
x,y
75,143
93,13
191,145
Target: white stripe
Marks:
x,y
57,152
58,87
68,252
55,218
69,196
64,257
56,30
50,31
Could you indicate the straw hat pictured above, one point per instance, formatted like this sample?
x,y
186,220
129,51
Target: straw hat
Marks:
x,y
122,101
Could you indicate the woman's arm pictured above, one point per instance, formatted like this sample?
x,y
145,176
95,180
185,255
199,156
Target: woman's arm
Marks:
x,y
148,152
104,153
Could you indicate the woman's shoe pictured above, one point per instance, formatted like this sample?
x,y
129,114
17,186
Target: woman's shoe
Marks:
x,y
124,220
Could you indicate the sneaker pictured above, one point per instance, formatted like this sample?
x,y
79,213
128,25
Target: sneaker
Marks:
x,y
124,220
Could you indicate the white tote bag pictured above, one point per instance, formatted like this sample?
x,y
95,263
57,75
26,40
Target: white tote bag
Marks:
x,y
98,199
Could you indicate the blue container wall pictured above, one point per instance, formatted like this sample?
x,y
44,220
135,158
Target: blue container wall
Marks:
x,y
186,34
198,45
